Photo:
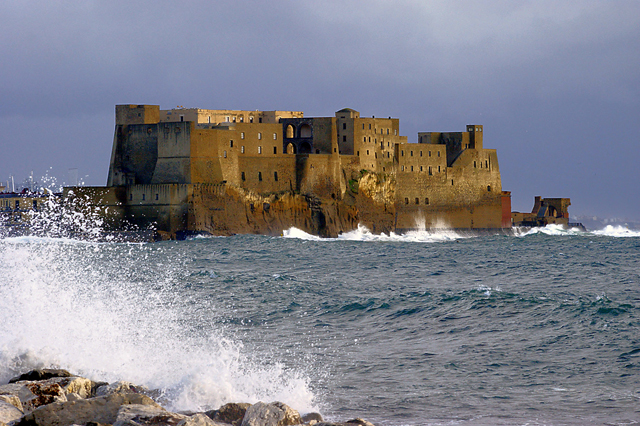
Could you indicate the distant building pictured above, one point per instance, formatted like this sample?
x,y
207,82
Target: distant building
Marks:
x,y
177,168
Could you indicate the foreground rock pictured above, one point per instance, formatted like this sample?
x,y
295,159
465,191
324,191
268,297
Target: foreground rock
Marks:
x,y
58,398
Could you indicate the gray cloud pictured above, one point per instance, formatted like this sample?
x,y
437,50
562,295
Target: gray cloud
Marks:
x,y
555,83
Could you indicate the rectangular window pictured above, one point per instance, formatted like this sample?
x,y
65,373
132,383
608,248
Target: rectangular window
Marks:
x,y
275,136
156,197
243,178
411,154
438,153
362,126
242,135
387,131
420,168
402,153
429,170
344,126
406,201
344,138
275,150
260,176
143,196
259,136
242,149
225,154
369,126
417,200
259,150
420,153
365,139
426,201
259,119
231,143
411,168
275,176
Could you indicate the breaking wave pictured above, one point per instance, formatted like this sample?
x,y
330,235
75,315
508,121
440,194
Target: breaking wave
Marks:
x,y
617,231
112,312
362,233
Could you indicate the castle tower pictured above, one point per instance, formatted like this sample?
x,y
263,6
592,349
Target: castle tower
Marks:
x,y
475,136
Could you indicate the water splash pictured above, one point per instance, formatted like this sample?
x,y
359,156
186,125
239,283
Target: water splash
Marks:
x,y
120,312
617,231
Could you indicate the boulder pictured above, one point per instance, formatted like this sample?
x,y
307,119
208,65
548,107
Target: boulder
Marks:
x,y
231,413
33,394
120,387
358,421
200,420
146,415
8,412
13,400
41,374
273,414
102,409
312,417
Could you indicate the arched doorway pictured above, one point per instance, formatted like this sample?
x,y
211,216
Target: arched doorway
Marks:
x,y
290,131
305,148
291,149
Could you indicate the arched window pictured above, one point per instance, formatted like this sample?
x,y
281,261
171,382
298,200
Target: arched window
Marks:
x,y
305,131
290,131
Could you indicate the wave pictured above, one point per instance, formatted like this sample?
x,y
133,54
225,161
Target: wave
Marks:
x,y
617,231
608,231
122,312
362,233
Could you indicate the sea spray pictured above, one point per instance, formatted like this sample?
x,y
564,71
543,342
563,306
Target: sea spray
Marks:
x,y
119,312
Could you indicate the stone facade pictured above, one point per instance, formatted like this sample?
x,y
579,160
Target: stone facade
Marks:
x,y
227,171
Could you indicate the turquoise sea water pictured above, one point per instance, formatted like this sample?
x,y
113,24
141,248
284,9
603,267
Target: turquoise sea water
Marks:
x,y
541,328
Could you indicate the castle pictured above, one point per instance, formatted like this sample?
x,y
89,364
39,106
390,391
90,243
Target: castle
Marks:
x,y
191,170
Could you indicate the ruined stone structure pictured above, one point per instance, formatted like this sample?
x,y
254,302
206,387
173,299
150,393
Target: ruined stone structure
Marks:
x,y
546,211
226,171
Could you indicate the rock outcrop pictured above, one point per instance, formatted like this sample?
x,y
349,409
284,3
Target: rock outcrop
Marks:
x,y
65,400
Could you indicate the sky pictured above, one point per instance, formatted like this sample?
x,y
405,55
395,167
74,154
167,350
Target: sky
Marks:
x,y
556,84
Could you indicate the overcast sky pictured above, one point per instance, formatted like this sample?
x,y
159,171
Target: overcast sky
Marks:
x,y
556,84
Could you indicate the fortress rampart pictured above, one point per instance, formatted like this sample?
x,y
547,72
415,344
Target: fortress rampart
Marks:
x,y
228,171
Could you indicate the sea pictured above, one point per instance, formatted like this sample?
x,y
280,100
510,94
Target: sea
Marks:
x,y
541,327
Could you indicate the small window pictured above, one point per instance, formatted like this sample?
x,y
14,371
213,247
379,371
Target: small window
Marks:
x,y
438,169
275,176
369,126
344,126
369,138
231,144
402,168
156,197
402,153
429,170
474,165
259,150
242,135
259,119
362,126
438,153
251,119
243,177
275,150
411,154
417,200
226,119
388,155
411,168
364,139
260,176
225,154
358,153
275,136
488,188
259,135
420,153
242,118
234,119
242,149
143,197
420,168
429,153
367,152
426,201
486,164
387,131
406,201
344,138
395,133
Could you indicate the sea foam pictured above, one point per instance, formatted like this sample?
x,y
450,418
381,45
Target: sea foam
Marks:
x,y
116,312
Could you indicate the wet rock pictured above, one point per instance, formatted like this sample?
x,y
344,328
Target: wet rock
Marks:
x,y
200,420
273,414
41,374
13,400
309,417
102,409
8,412
146,415
43,393
120,387
231,413
358,421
